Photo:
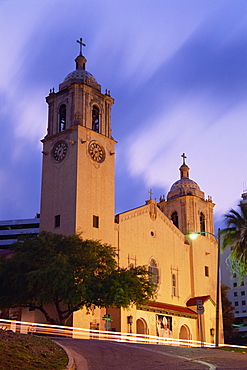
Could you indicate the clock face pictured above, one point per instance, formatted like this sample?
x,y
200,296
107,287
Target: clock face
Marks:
x,y
96,152
59,151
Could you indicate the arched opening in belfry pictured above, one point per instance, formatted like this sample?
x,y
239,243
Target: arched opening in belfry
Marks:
x,y
202,223
95,118
62,118
174,218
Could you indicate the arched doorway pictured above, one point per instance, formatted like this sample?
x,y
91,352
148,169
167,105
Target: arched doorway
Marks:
x,y
184,334
141,326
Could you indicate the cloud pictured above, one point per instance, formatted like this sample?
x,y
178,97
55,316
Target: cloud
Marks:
x,y
177,71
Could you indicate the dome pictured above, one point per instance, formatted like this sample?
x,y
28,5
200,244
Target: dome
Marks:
x,y
80,75
83,77
184,186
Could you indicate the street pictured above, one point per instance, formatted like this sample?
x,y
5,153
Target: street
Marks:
x,y
107,355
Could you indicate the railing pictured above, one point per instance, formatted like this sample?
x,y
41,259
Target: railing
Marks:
x,y
79,333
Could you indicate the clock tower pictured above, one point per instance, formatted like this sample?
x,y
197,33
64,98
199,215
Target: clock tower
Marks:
x,y
77,193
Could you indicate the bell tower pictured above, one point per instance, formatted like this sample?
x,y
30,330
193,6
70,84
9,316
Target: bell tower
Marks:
x,y
77,193
186,206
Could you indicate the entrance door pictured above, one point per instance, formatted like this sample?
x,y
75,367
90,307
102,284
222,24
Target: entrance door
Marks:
x,y
141,326
184,334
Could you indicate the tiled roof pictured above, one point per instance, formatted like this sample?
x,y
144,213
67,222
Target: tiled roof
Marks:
x,y
169,309
193,301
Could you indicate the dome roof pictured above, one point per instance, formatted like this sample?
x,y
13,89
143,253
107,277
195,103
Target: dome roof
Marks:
x,y
80,75
184,186
184,183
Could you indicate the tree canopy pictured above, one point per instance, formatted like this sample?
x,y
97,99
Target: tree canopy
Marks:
x,y
235,238
69,273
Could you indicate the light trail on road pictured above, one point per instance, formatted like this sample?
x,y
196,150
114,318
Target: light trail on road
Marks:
x,y
80,333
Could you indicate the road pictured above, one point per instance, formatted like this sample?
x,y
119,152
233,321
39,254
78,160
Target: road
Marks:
x,y
106,355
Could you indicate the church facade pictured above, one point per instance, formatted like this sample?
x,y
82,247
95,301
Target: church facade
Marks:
x,y
78,197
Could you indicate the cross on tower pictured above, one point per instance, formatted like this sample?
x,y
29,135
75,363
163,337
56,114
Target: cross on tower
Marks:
x,y
151,193
184,157
81,44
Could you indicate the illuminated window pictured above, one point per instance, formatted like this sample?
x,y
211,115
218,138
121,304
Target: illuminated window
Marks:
x,y
95,118
235,294
62,118
153,268
174,218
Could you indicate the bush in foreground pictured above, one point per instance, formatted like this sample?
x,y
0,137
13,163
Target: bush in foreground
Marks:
x,y
21,351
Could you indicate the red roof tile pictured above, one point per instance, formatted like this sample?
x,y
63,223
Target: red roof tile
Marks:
x,y
192,301
171,309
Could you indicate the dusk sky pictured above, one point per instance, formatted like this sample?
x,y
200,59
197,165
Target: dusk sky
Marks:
x,y
176,69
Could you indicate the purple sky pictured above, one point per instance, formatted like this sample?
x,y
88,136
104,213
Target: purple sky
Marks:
x,y
176,69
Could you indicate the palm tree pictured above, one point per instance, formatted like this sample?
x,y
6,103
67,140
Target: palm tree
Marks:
x,y
235,238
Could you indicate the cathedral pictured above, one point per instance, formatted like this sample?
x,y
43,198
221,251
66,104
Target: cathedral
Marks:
x,y
77,196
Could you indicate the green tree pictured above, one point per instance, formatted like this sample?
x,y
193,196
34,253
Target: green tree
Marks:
x,y
235,238
228,314
69,273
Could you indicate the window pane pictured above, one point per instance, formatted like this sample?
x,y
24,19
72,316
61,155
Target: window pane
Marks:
x,y
96,221
154,269
57,221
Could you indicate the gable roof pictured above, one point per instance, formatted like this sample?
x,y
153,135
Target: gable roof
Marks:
x,y
153,211
193,301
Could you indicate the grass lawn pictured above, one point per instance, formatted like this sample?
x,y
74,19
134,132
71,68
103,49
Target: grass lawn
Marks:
x,y
29,352
234,349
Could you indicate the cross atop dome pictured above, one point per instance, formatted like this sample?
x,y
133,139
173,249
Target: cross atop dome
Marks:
x,y
184,157
81,45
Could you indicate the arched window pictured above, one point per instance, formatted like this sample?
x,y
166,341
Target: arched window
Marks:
x,y
174,218
202,223
62,118
95,118
155,271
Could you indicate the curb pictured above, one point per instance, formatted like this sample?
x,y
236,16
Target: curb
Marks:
x,y
71,364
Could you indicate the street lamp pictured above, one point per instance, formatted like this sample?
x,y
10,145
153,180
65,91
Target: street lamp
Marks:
x,y
194,235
